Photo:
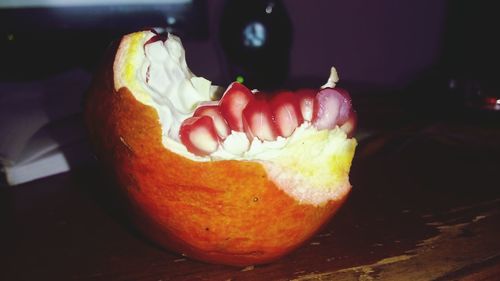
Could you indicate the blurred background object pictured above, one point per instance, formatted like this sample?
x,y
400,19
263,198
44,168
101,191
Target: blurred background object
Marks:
x,y
470,56
41,129
463,78
256,38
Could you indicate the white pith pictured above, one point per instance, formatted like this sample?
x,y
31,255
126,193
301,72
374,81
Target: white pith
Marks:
x,y
164,82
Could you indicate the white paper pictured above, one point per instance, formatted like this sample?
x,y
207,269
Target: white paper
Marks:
x,y
38,121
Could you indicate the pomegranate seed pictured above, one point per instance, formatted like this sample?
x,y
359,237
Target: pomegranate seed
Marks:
x,y
213,111
286,111
258,120
199,136
346,106
332,107
234,100
306,102
327,105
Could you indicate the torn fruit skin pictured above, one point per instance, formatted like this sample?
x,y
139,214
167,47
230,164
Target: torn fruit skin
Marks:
x,y
204,210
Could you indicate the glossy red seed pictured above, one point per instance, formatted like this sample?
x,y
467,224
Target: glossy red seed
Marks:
x,y
332,107
306,102
232,103
258,120
213,111
327,105
286,111
198,135
346,106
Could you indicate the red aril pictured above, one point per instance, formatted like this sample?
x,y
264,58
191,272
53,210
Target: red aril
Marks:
x,y
232,103
286,111
199,136
213,111
258,120
306,102
327,105
332,107
346,106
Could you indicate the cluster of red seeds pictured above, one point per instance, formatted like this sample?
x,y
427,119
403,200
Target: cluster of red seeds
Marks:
x,y
265,117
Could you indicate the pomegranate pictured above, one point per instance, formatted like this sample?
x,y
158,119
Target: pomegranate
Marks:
x,y
240,181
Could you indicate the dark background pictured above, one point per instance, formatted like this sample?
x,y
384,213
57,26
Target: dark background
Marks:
x,y
415,47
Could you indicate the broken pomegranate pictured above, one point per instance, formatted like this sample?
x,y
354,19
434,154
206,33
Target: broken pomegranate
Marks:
x,y
241,181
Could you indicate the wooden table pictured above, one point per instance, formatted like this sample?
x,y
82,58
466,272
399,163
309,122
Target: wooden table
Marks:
x,y
425,206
